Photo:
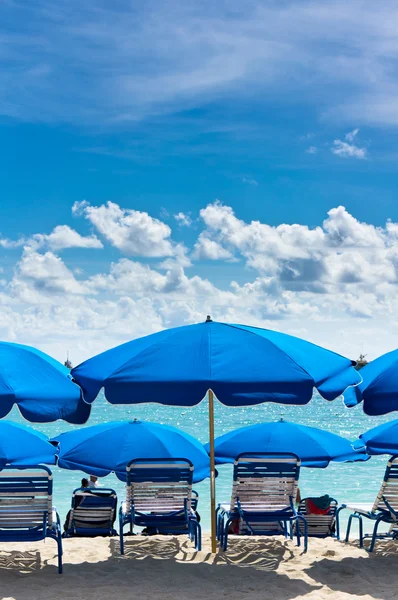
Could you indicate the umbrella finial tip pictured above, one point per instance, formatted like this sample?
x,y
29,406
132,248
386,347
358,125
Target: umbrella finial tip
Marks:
x,y
208,319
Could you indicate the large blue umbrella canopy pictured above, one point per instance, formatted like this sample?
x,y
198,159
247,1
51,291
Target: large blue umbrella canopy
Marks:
x,y
108,447
242,365
39,385
315,447
382,439
24,446
379,388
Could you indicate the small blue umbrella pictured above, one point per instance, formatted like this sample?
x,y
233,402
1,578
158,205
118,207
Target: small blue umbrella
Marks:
x,y
24,446
242,365
41,387
379,388
382,439
315,447
102,449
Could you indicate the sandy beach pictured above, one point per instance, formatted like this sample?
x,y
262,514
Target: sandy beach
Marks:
x,y
170,568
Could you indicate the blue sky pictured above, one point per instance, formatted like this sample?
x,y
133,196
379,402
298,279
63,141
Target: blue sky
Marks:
x,y
222,134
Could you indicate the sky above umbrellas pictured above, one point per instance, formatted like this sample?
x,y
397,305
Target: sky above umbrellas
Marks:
x,y
165,161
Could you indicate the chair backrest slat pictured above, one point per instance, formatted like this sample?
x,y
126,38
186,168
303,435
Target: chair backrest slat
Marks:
x,y
25,497
265,482
389,487
159,486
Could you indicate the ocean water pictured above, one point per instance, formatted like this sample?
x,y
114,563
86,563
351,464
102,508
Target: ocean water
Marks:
x,y
352,481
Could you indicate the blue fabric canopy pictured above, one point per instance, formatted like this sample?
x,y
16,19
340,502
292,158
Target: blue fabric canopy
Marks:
x,y
315,447
379,388
41,387
101,449
382,439
242,365
23,446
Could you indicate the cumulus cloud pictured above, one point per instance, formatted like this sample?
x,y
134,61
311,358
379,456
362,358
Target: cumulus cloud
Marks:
x,y
323,281
320,260
184,220
207,249
44,274
63,237
348,149
312,150
131,231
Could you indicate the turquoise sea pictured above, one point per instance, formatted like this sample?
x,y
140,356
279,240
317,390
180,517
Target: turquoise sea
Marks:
x,y
358,481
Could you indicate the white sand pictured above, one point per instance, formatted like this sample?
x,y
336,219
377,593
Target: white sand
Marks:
x,y
169,568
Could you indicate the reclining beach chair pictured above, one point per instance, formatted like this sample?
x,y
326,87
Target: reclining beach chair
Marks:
x,y
320,523
263,495
159,497
383,510
26,512
93,513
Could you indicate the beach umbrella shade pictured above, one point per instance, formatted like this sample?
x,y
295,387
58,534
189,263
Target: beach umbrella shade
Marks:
x,y
241,365
315,447
40,386
382,439
23,446
109,447
379,388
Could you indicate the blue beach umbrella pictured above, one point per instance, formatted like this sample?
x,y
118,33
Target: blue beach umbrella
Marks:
x,y
315,447
379,388
21,446
39,385
106,448
382,439
241,365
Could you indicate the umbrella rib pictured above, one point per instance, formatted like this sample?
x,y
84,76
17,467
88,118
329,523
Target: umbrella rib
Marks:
x,y
274,345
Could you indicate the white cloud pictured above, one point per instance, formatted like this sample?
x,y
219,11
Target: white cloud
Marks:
x,y
249,181
312,150
65,237
131,231
335,283
348,149
207,249
183,219
44,275
226,51
11,244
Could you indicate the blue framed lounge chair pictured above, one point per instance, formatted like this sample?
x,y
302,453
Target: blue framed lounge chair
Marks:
x,y
263,495
383,510
93,513
319,525
159,497
26,512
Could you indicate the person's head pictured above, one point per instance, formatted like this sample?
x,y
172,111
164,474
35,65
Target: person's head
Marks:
x,y
93,478
84,482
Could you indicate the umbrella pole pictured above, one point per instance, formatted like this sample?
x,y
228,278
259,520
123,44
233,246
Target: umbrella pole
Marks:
x,y
212,474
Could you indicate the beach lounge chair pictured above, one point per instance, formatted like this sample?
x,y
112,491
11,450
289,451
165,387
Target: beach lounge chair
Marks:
x,y
263,495
159,497
321,523
383,510
26,512
93,513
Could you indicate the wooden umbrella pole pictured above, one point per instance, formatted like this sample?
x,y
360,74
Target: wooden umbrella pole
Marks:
x,y
212,474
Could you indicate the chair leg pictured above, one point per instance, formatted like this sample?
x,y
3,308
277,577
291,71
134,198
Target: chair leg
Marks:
x,y
305,534
347,533
298,532
338,522
374,535
60,552
199,537
225,535
121,538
